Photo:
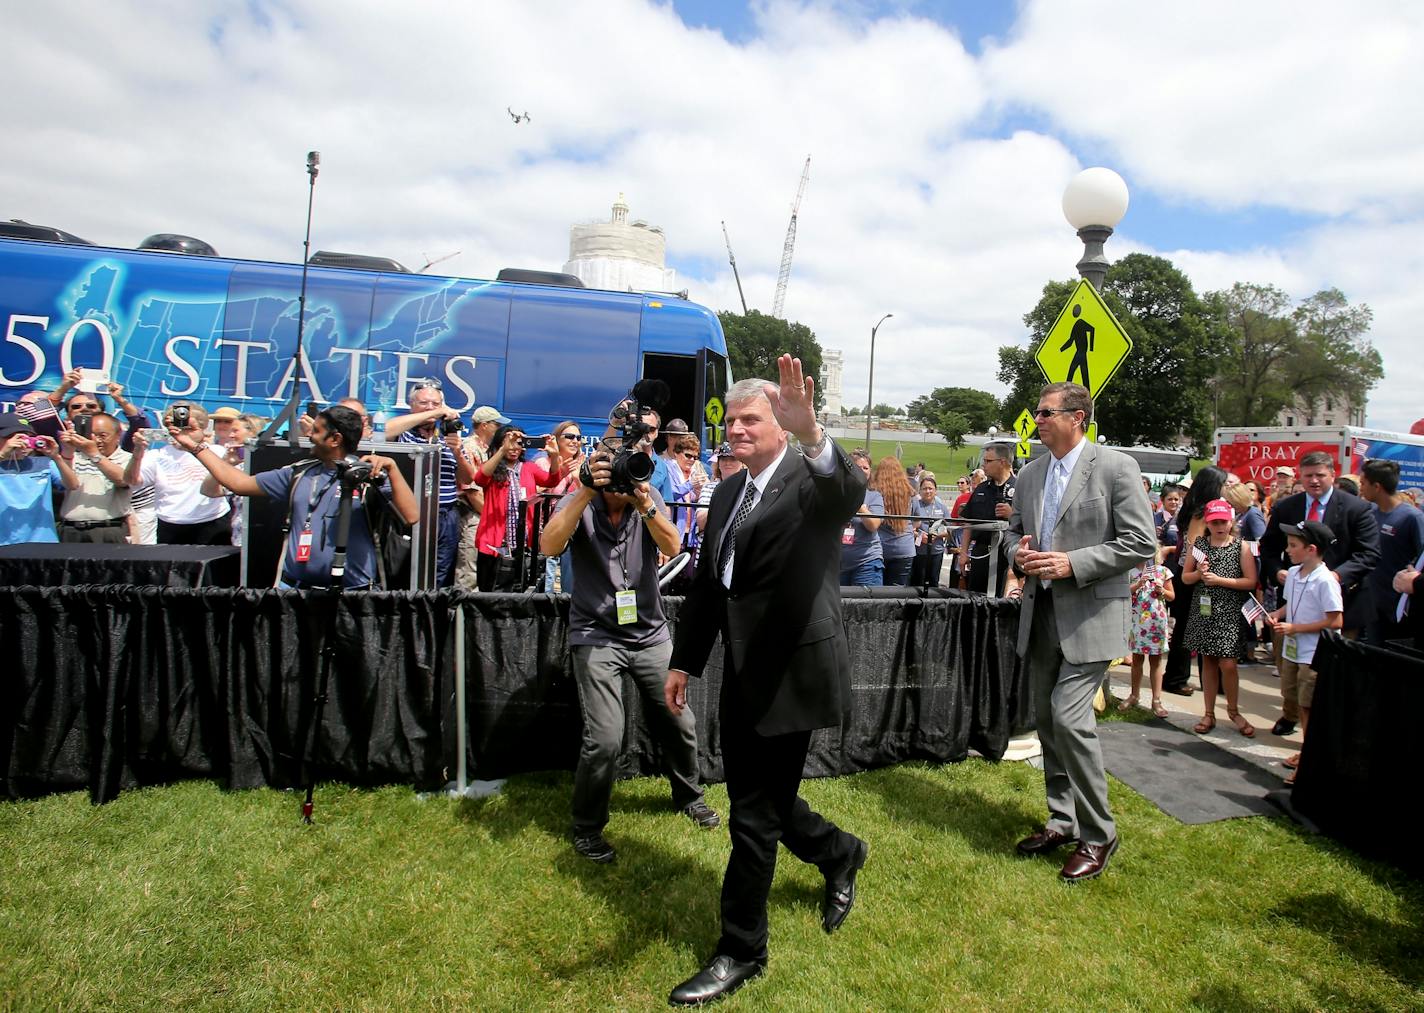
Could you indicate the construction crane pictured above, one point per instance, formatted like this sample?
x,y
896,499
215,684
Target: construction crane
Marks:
x,y
733,259
790,243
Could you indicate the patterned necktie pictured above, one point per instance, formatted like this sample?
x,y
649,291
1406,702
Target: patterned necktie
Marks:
x,y
1314,514
1051,496
729,543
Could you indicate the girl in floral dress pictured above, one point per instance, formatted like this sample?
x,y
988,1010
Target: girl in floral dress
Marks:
x,y
1151,591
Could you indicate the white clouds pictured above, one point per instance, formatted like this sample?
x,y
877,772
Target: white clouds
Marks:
x,y
139,117
1305,105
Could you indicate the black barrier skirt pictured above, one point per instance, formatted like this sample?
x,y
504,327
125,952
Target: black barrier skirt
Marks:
x,y
1359,764
122,686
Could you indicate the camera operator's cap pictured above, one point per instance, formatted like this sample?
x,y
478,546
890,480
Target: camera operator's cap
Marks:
x,y
1218,510
226,412
1311,533
10,424
485,414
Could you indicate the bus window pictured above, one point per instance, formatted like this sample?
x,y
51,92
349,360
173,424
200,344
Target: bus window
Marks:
x,y
679,372
715,380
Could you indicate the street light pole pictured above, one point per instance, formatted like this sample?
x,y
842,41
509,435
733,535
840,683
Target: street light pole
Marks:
x,y
1094,202
870,392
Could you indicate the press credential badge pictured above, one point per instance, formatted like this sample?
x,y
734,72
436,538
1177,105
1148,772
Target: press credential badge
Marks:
x,y
627,604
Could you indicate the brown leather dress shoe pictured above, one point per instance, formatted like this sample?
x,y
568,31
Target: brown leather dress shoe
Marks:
x,y
1044,841
1088,862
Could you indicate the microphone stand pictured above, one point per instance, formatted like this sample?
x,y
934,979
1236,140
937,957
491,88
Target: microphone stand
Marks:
x,y
328,653
288,413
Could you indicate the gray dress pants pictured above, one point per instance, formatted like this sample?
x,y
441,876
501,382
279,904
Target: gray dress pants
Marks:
x,y
600,671
1073,774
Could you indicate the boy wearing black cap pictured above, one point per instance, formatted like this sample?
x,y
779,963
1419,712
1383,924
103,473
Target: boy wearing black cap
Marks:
x,y
1313,603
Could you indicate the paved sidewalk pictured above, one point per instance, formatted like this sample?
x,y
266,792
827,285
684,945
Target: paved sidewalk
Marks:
x,y
1260,702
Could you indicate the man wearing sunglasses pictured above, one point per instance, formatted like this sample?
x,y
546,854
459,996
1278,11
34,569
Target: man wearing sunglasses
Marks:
x,y
1080,521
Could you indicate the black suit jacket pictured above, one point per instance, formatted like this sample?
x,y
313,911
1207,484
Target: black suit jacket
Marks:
x,y
1353,556
786,663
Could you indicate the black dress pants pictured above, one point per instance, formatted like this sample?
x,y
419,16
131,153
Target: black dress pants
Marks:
x,y
1177,673
763,776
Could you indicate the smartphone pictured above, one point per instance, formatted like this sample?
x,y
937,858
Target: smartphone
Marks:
x,y
155,436
533,442
312,409
84,426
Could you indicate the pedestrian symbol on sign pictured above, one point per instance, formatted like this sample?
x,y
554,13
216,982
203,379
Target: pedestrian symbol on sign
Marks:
x,y
1081,341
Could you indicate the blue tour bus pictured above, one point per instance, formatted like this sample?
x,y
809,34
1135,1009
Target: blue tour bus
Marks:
x,y
221,331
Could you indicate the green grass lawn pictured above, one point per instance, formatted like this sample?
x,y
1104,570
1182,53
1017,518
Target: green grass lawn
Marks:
x,y
186,897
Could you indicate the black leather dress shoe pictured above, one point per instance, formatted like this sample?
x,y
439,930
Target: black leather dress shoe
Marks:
x,y
840,889
1087,862
1044,841
1283,726
723,976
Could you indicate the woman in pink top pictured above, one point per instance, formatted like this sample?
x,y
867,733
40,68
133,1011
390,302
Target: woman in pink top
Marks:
x,y
508,480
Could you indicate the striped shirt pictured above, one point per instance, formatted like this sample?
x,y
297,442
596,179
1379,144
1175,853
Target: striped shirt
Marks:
x,y
449,491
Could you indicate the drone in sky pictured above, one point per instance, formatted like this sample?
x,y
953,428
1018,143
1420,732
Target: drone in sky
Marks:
x,y
516,117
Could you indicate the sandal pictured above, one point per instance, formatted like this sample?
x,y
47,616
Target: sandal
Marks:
x,y
1205,725
1242,725
1129,703
1290,779
1291,762
1158,711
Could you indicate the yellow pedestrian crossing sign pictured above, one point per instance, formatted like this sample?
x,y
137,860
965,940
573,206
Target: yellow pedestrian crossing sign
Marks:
x,y
1025,426
715,412
1086,344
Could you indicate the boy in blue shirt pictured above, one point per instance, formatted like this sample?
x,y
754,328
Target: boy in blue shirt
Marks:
x,y
29,480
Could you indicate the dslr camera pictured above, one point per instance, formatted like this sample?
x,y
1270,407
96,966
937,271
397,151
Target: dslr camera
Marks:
x,y
353,471
630,465
451,427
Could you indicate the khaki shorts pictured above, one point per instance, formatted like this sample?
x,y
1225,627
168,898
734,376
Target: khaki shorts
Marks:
x,y
1297,681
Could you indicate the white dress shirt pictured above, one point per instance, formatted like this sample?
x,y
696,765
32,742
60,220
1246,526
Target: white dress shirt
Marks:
x,y
822,464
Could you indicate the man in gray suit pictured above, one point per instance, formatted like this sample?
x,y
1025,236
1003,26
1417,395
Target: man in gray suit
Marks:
x,y
1081,521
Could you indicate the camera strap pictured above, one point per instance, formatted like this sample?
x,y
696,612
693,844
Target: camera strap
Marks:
x,y
298,470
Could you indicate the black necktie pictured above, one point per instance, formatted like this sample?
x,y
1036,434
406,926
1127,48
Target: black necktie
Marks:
x,y
729,543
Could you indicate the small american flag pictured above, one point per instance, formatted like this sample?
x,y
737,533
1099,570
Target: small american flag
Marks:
x,y
1252,610
1198,554
1149,571
37,410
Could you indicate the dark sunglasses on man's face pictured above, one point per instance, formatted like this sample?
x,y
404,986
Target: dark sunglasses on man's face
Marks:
x,y
1043,413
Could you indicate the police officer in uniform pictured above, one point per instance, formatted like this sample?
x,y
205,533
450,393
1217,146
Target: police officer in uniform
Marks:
x,y
992,499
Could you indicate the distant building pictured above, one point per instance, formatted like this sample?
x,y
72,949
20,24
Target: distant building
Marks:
x,y
1326,411
832,361
620,255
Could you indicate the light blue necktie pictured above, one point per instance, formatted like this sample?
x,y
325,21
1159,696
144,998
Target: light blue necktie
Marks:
x,y
1051,495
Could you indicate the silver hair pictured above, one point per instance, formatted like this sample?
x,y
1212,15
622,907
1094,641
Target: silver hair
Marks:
x,y
747,390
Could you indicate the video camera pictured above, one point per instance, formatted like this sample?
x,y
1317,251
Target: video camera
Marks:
x,y
630,465
451,427
352,471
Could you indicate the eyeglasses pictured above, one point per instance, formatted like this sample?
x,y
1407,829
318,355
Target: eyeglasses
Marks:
x,y
691,455
83,406
572,436
1043,413
427,383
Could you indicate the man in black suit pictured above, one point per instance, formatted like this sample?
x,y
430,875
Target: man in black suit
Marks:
x,y
1351,558
768,582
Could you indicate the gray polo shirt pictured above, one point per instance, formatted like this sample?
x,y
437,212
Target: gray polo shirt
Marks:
x,y
605,562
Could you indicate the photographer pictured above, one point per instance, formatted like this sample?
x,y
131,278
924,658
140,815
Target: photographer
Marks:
x,y
29,478
616,627
313,491
507,480
96,503
185,515
431,420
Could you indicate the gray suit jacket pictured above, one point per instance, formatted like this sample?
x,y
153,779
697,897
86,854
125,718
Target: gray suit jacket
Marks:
x,y
1105,527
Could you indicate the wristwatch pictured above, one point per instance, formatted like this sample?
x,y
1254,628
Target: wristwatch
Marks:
x,y
201,447
814,450
649,513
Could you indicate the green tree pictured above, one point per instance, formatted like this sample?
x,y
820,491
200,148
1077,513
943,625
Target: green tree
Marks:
x,y
885,411
755,341
981,408
953,426
1274,355
1162,391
